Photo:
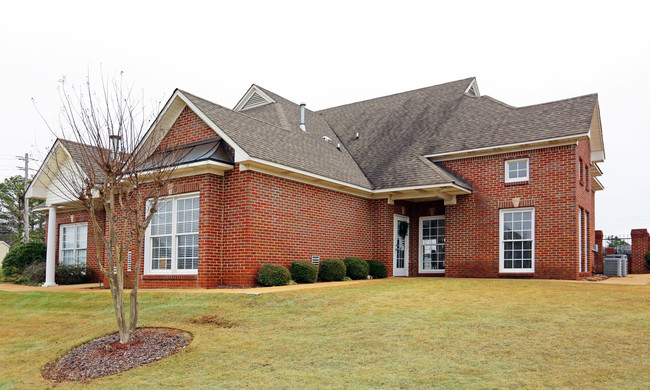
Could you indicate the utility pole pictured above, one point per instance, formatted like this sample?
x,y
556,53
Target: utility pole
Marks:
x,y
26,208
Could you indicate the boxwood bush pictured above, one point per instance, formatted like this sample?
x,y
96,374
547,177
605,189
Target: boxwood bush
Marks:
x,y
377,269
331,270
356,268
21,256
274,275
303,271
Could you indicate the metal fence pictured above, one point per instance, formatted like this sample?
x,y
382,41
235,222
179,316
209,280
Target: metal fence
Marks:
x,y
622,244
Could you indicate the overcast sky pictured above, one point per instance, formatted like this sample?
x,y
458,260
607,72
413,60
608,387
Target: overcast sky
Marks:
x,y
329,53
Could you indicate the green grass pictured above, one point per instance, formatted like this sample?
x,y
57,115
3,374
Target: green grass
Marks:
x,y
407,333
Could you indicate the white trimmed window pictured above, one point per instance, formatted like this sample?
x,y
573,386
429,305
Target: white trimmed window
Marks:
x,y
73,243
517,240
516,170
432,244
172,237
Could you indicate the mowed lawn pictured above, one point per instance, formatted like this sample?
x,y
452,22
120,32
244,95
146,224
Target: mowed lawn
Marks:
x,y
396,333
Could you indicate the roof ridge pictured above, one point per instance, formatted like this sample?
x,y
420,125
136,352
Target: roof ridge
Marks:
x,y
398,93
561,100
233,111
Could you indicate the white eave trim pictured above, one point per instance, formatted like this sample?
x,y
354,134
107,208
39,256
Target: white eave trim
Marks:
x,y
386,192
305,173
253,89
423,187
32,192
506,148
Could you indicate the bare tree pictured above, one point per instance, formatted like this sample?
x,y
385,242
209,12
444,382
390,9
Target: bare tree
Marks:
x,y
113,175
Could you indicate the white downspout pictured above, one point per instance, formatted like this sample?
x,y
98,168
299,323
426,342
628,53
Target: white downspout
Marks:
x,y
51,249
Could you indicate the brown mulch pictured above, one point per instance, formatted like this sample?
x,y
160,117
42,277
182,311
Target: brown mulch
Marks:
x,y
106,356
596,278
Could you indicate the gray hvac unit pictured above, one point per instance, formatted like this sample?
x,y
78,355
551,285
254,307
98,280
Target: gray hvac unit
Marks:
x,y
615,265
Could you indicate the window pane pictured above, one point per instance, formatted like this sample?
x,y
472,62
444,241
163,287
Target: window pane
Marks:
x,y
161,256
188,252
81,257
161,223
187,216
67,257
68,237
82,236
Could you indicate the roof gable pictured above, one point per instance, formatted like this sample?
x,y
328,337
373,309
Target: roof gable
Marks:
x,y
254,97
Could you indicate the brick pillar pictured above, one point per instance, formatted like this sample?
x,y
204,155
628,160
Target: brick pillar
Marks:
x,y
598,256
640,239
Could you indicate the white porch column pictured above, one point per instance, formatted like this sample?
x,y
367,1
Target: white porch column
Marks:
x,y
51,249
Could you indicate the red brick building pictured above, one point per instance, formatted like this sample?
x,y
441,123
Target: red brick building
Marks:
x,y
440,181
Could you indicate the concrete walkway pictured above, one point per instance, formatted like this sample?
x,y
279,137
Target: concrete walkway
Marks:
x,y
94,287
636,280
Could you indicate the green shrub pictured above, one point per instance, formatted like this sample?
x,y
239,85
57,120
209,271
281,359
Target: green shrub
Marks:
x,y
63,274
377,269
21,256
72,274
331,270
274,275
356,268
303,271
34,274
647,260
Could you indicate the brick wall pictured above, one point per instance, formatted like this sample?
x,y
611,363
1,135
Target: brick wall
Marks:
x,y
598,256
473,223
640,245
187,128
249,218
93,247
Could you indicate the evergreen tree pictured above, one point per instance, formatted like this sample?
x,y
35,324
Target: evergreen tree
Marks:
x,y
12,208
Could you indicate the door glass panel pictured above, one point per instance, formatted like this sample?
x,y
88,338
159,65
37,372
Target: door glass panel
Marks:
x,y
399,248
433,245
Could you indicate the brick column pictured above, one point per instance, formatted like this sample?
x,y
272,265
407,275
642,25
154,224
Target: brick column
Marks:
x,y
640,239
598,256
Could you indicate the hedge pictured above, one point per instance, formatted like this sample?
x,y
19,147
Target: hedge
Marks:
x,y
21,256
303,271
377,269
356,268
331,270
274,275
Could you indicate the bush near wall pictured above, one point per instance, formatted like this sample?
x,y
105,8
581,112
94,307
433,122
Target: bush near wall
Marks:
x,y
64,274
377,269
331,270
303,271
647,260
274,275
21,256
356,268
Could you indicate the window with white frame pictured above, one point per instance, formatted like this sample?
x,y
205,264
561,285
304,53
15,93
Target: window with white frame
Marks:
x,y
432,244
172,237
517,240
73,243
516,170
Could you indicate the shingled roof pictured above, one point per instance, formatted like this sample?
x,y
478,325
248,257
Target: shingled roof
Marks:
x,y
262,135
394,131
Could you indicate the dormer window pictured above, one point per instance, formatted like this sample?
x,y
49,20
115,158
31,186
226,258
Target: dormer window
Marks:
x,y
516,170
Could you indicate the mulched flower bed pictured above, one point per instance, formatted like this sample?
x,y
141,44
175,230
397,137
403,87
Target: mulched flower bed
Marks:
x,y
106,356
